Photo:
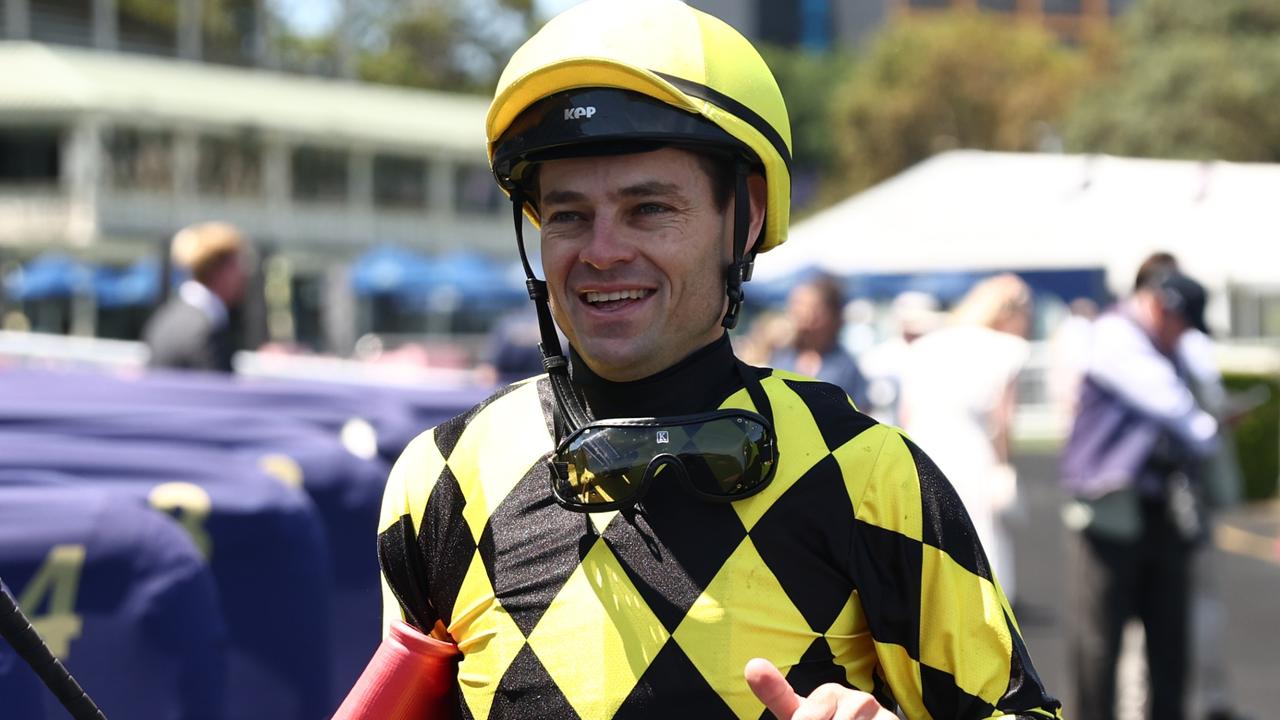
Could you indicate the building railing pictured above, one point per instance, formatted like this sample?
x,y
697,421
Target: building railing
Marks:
x,y
49,217
34,215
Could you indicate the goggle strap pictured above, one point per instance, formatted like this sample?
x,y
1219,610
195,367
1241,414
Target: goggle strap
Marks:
x,y
758,396
517,211
553,359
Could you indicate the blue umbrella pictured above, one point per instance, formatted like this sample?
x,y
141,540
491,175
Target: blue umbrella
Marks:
x,y
138,284
457,277
390,270
477,280
48,276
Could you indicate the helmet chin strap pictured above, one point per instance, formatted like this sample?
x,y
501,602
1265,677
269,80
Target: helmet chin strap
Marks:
x,y
569,408
739,270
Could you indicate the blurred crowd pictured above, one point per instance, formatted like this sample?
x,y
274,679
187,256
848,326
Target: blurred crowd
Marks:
x,y
1147,465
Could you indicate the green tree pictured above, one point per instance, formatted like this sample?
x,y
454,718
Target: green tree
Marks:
x,y
1156,20
225,24
953,80
443,44
805,77
1197,80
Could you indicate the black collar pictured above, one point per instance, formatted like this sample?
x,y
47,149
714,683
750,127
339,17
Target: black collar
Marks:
x,y
698,383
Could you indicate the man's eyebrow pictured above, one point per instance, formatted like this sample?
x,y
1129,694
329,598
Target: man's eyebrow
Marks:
x,y
562,196
650,188
645,189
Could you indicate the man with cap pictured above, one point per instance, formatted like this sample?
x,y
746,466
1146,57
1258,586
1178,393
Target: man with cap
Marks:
x,y
1133,465
192,330
654,528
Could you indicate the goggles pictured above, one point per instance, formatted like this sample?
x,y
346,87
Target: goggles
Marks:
x,y
720,456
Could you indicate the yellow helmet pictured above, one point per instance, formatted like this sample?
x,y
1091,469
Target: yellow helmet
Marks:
x,y
687,79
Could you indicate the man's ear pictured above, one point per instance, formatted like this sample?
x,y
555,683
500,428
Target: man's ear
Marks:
x,y
758,191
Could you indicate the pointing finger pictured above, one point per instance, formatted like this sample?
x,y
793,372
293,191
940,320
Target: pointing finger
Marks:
x,y
771,688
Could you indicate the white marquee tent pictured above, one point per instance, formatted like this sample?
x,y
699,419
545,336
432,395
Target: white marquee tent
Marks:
x,y
983,211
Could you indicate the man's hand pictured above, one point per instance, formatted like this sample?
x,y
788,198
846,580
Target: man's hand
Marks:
x,y
828,702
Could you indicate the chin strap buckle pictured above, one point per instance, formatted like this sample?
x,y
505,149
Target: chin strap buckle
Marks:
x,y
739,273
537,288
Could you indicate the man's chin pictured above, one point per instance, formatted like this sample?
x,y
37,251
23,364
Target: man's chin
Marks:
x,y
616,359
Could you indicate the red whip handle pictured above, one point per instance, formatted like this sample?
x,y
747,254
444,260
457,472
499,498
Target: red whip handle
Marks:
x,y
410,677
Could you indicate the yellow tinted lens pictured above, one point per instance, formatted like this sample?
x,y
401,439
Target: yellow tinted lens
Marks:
x,y
722,457
602,466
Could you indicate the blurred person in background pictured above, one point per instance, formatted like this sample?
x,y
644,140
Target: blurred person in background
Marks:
x,y
914,315
1068,348
1133,464
511,353
816,311
859,334
958,398
770,331
192,330
1222,489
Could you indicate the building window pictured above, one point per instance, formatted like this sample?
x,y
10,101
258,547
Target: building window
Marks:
x,y
477,192
319,175
229,167
30,156
807,23
1118,7
147,27
63,22
140,159
1063,7
399,182
779,23
1255,312
999,5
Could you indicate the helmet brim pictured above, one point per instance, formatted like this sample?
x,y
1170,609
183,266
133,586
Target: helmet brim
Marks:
x,y
596,72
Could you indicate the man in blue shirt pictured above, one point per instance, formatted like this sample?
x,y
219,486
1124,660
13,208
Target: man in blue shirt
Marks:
x,y
815,310
1132,463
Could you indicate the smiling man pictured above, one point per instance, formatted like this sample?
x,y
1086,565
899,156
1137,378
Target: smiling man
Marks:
x,y
653,527
626,245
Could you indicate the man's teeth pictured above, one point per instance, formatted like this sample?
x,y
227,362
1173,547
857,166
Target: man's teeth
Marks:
x,y
595,297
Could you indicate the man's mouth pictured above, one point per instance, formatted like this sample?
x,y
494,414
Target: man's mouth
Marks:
x,y
614,299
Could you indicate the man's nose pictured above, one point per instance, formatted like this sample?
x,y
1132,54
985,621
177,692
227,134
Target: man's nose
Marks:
x,y
606,246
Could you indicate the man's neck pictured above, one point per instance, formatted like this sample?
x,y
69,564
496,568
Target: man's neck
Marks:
x,y
698,383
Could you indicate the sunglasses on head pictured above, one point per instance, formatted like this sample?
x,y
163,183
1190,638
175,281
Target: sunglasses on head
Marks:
x,y
720,456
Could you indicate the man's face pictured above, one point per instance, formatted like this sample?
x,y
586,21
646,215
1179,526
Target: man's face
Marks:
x,y
1166,327
1170,330
816,328
231,278
635,251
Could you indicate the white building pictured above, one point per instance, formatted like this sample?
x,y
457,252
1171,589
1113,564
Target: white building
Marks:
x,y
105,154
104,149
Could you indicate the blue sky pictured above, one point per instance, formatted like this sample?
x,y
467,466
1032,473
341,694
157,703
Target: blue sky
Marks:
x,y
311,17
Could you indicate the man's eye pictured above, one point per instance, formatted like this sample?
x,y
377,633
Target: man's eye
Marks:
x,y
651,209
562,216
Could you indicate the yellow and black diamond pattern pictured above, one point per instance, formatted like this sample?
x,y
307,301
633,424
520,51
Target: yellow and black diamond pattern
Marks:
x,y
857,565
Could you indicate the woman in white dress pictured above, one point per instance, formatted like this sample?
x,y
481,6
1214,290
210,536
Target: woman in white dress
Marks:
x,y
958,395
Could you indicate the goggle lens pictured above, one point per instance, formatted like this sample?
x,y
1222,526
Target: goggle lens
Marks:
x,y
608,464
